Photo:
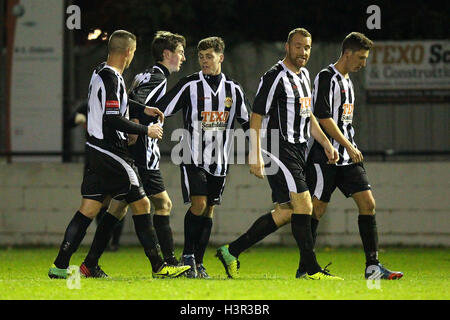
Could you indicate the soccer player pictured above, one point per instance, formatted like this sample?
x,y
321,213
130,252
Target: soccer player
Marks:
x,y
110,169
210,102
78,118
283,103
333,105
147,88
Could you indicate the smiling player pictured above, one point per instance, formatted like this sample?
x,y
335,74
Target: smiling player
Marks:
x,y
210,102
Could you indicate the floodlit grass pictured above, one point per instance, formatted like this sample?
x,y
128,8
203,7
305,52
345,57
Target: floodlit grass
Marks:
x,y
267,273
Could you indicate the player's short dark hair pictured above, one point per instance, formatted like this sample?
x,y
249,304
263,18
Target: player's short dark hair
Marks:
x,y
165,40
120,40
216,43
356,41
302,31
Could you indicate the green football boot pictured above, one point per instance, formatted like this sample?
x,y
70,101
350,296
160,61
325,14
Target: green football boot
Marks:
x,y
57,273
230,262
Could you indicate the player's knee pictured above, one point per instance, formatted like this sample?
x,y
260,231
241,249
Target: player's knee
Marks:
x,y
163,206
141,206
301,203
282,216
167,205
198,206
368,207
90,208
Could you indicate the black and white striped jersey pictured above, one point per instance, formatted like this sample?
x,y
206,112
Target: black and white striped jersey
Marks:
x,y
284,97
333,97
107,97
209,110
147,88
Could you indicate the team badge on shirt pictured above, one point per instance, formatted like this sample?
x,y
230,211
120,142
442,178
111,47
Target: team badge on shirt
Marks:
x,y
228,102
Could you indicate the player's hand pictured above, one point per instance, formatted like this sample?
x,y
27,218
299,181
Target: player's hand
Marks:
x,y
154,112
155,131
355,154
332,154
256,164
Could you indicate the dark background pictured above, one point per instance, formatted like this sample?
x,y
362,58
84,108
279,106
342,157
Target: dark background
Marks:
x,y
247,22
265,21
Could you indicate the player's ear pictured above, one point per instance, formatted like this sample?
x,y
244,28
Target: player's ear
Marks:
x,y
166,54
129,51
348,53
221,57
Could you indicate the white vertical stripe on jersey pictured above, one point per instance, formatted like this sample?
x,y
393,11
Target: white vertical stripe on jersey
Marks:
x,y
335,108
271,91
221,152
196,124
290,108
230,136
303,122
95,114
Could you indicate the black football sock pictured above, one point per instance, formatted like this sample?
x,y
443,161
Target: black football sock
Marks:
x,y
147,236
75,232
192,229
165,237
260,229
369,236
202,241
314,225
301,230
100,215
101,239
117,232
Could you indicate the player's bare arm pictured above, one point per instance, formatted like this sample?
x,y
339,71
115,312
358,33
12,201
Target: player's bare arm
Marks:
x,y
317,133
255,158
332,129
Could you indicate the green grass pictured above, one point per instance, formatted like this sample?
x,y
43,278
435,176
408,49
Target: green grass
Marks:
x,y
266,274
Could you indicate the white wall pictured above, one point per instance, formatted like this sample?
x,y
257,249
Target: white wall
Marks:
x,y
38,200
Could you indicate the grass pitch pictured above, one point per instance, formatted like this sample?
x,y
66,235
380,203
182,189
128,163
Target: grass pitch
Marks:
x,y
267,273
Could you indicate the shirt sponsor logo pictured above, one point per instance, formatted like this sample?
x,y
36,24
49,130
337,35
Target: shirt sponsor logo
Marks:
x,y
347,113
214,120
305,107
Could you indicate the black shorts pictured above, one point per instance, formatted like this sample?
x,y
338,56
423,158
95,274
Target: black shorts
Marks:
x,y
197,182
152,181
288,175
108,174
323,179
